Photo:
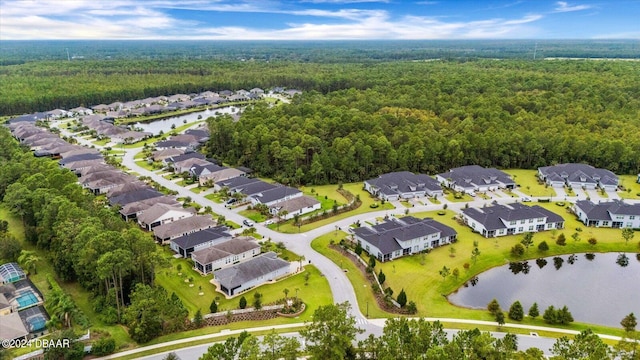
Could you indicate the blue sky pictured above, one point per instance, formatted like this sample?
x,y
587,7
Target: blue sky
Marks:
x,y
318,19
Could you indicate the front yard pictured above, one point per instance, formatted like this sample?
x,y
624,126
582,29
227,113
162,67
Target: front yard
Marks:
x,y
527,183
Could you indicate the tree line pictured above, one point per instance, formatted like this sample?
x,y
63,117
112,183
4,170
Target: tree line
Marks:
x,y
332,333
88,242
431,117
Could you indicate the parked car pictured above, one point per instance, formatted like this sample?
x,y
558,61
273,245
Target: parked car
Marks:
x,y
526,199
248,223
231,201
269,222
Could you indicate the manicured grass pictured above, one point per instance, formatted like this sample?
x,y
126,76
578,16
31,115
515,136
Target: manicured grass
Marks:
x,y
145,165
139,156
200,189
102,142
419,274
353,188
527,182
364,294
215,197
451,197
155,139
406,204
254,215
315,294
327,195
629,183
433,201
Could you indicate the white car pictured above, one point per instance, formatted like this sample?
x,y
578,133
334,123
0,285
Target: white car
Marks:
x,y
269,222
526,199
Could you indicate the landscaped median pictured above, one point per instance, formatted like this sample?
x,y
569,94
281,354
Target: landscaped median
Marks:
x,y
419,275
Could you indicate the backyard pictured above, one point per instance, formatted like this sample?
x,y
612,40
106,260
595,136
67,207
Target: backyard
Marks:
x,y
527,183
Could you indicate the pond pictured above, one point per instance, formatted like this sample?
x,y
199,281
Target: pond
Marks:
x,y
165,125
597,288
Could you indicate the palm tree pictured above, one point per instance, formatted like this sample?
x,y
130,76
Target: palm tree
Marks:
x,y
27,260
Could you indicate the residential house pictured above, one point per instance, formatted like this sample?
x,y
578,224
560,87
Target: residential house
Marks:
x,y
614,214
257,91
275,195
81,111
186,156
131,211
160,155
133,196
292,92
223,174
166,232
225,254
57,114
160,213
102,108
186,165
251,273
296,206
105,180
178,98
517,218
236,184
199,240
473,178
578,176
395,238
19,296
402,185
79,157
12,327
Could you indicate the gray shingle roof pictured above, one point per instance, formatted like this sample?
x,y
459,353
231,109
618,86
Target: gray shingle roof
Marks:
x,y
275,194
469,175
583,173
605,210
251,269
157,210
404,182
183,226
222,250
236,182
388,235
296,204
133,196
200,237
490,216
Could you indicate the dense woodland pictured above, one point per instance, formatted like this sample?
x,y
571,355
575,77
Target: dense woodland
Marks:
x,y
429,117
87,242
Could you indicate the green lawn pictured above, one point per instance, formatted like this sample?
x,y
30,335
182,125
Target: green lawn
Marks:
x,y
254,215
145,165
364,294
419,275
354,188
629,183
102,142
326,194
527,182
155,139
451,197
215,197
171,280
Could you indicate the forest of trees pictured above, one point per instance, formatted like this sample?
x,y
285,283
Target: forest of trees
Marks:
x,y
88,242
430,117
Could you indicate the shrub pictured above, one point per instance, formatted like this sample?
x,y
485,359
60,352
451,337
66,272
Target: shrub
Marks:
x,y
374,205
562,241
243,303
381,277
516,312
402,298
592,241
213,307
412,308
358,249
517,250
104,346
494,307
533,311
543,246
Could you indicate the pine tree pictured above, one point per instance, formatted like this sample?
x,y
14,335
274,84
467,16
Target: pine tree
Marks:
x,y
402,298
516,312
533,311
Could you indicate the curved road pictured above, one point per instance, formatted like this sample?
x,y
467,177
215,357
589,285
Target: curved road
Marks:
x,y
341,288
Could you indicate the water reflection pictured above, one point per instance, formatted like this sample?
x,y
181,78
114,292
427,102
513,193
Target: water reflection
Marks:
x,y
617,288
557,262
622,260
520,267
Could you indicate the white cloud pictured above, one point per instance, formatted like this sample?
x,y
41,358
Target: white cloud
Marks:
x,y
344,1
563,6
128,19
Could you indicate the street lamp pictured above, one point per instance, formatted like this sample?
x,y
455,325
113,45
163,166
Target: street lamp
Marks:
x,y
367,308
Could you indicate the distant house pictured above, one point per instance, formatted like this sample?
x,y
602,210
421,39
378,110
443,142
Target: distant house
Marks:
x,y
395,238
251,273
100,183
166,232
472,178
80,111
236,184
257,91
501,220
185,165
132,210
275,195
402,185
160,155
225,254
223,174
183,157
615,214
199,240
12,327
125,198
299,205
578,176
159,214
